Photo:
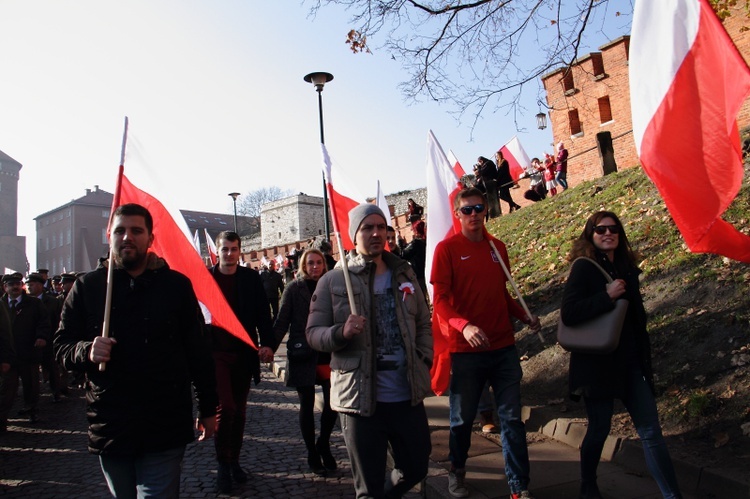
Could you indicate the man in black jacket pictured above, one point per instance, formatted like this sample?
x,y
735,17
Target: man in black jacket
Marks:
x,y
30,330
236,361
139,402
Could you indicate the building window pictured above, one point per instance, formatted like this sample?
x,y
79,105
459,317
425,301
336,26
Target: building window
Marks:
x,y
597,65
568,85
67,214
67,236
574,122
605,111
46,244
104,236
105,213
61,239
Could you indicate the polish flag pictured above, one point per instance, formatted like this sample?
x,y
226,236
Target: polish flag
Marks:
x,y
383,203
197,242
443,184
517,158
213,253
687,84
342,198
172,240
457,168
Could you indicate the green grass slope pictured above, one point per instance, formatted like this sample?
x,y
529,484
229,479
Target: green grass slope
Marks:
x,y
698,305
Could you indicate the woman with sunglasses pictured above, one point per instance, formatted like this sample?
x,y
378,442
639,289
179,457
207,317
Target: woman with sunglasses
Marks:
x,y
626,373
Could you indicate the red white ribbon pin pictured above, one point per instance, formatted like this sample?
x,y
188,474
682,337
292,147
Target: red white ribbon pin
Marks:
x,y
407,288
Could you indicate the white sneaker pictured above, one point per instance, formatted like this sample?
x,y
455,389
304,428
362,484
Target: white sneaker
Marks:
x,y
456,486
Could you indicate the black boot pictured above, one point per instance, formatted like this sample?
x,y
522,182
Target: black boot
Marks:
x,y
238,473
589,490
314,464
324,450
224,479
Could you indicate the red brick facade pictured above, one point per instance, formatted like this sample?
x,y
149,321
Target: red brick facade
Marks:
x,y
593,99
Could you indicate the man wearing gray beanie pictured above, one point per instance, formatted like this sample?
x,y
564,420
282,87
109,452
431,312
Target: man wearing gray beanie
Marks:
x,y
380,358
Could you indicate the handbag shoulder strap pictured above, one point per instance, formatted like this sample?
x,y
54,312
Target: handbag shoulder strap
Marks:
x,y
593,262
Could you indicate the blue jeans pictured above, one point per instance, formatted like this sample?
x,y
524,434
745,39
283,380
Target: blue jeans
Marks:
x,y
502,369
562,179
640,403
154,474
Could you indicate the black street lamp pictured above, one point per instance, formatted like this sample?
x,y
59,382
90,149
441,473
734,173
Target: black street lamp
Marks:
x,y
234,201
541,118
319,79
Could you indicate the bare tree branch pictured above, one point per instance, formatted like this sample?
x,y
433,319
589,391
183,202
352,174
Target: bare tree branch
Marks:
x,y
477,56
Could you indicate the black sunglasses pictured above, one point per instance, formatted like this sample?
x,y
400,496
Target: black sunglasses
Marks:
x,y
467,210
602,229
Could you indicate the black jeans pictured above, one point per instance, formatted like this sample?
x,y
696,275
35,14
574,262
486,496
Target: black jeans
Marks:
x,y
398,424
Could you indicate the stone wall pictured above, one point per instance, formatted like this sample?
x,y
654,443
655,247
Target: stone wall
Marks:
x,y
294,218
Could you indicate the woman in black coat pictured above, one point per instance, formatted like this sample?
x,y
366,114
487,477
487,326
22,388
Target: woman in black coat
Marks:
x,y
306,367
624,374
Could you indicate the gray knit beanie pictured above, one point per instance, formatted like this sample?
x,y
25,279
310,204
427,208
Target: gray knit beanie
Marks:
x,y
359,213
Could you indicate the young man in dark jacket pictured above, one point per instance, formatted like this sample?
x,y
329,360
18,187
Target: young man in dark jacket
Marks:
x,y
236,361
139,402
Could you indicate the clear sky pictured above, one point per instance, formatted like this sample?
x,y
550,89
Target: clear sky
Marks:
x,y
215,95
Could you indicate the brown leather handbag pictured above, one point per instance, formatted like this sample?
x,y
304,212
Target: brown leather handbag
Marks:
x,y
600,335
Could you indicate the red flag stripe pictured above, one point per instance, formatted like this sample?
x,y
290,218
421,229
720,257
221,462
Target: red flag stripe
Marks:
x,y
171,244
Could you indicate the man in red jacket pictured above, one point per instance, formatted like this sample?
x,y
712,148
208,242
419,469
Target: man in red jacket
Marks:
x,y
471,296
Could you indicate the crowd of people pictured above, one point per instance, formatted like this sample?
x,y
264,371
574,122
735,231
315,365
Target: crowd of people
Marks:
x,y
545,177
361,329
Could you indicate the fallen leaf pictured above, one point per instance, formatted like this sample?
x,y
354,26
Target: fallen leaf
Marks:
x,y
721,439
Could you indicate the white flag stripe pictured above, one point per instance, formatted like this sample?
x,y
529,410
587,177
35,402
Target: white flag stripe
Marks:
x,y
658,53
441,181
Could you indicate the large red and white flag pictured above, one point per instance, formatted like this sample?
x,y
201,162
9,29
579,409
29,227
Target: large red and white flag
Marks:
x,y
687,84
213,253
172,239
342,197
517,158
443,184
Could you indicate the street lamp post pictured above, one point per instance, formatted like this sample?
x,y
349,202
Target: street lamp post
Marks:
x,y
234,201
319,79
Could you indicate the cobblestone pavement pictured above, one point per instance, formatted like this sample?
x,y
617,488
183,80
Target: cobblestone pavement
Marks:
x,y
50,459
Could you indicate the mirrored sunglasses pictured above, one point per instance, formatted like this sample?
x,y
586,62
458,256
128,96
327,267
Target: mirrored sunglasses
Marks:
x,y
467,210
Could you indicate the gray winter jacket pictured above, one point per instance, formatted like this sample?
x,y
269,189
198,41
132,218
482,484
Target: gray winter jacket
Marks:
x,y
353,376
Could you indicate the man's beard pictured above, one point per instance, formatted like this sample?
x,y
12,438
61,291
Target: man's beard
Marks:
x,y
131,262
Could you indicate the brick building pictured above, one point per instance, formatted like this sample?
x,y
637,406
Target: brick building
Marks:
x,y
589,105
590,112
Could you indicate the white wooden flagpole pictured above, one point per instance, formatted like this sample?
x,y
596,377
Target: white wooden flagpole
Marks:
x,y
111,266
513,285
